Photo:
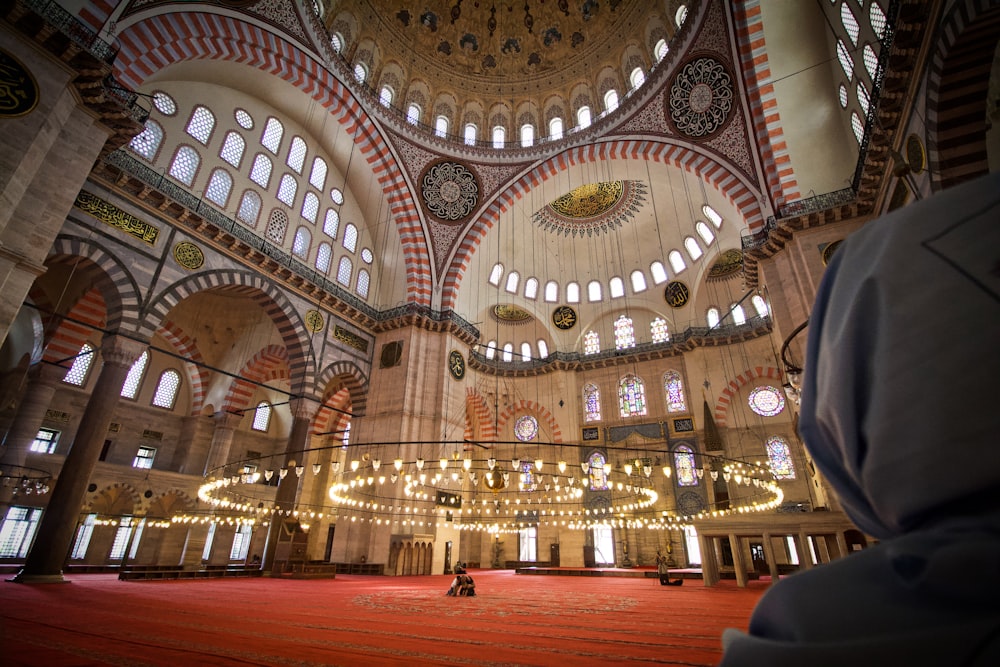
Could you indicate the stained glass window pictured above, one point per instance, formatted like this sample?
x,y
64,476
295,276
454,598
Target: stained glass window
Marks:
x,y
592,403
167,389
684,466
591,343
594,291
759,305
366,255
147,142
527,135
526,477
739,317
526,428
766,401
499,136
637,77
491,349
249,208
858,125
130,388
360,73
624,333
863,99
261,416
45,441
232,149
201,124
413,114
611,100
658,330
441,126
598,478
673,388
631,397
660,50
337,42
508,352
470,134
77,373
144,458
780,458
842,94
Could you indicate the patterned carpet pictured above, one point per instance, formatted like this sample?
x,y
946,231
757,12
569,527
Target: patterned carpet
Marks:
x,y
355,620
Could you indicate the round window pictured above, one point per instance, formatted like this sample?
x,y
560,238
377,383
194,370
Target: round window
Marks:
x,y
526,428
766,401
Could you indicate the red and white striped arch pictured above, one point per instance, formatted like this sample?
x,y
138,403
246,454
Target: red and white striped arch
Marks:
x,y
744,379
538,411
187,349
269,364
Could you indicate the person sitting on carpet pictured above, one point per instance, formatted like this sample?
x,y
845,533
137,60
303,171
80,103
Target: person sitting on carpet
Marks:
x,y
899,411
462,586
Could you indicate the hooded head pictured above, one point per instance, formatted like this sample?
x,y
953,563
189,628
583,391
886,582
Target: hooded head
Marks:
x,y
900,408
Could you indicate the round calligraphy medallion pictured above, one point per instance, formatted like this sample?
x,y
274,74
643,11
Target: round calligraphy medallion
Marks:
x,y
827,252
314,320
676,294
701,98
564,318
450,191
189,255
18,88
456,364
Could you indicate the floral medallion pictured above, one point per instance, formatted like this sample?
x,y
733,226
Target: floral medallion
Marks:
x,y
450,191
593,207
701,98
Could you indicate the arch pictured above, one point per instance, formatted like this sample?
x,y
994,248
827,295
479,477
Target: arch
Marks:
x,y
85,316
478,417
538,411
274,302
113,499
197,374
344,374
270,363
153,43
725,398
716,174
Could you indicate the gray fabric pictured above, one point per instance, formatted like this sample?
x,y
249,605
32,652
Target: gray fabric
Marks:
x,y
901,414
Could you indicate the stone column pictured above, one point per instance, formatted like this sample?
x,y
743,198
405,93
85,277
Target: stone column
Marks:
x,y
55,532
709,560
802,546
739,560
289,486
40,388
222,440
772,564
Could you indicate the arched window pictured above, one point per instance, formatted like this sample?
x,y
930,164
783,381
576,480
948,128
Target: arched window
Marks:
x,y
638,281
337,195
573,292
591,342
512,281
712,317
201,124
759,305
260,172
296,155
261,417
846,61
659,272
277,225
232,149
362,284
147,142
676,261
331,223
351,237
525,351
344,271
616,287
877,18
596,472
594,291
712,215
508,352
317,177
527,134
249,209
591,403
300,245
360,72
659,331
77,373
681,16
611,100
556,128
220,184
583,116
324,253
471,132
271,138
705,232
287,189
167,389
863,99
684,464
310,207
661,50
673,389
739,317
624,333
551,291
413,114
496,274
385,96
871,60
637,77
693,249
842,95
130,388
850,23
491,349
185,165
543,349
631,397
499,136
441,126
337,42
858,125
531,288
780,458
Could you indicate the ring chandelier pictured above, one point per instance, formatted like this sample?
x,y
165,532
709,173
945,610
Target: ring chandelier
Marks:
x,y
475,493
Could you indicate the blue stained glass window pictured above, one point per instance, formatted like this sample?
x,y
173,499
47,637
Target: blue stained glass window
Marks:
x,y
684,465
766,401
673,386
528,481
526,428
598,478
631,396
780,458
592,403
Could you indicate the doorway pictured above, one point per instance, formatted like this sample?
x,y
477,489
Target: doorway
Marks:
x,y
604,546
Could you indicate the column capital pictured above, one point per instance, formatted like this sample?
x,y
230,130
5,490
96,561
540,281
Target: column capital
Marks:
x,y
227,420
118,350
302,408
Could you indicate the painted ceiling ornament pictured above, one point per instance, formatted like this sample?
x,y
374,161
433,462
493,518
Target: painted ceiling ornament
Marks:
x,y
189,255
701,98
729,264
450,191
510,314
594,207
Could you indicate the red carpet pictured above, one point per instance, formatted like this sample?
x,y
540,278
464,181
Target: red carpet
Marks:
x,y
355,620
